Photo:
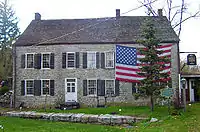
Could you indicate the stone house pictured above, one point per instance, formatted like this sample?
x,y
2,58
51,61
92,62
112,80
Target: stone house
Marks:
x,y
74,59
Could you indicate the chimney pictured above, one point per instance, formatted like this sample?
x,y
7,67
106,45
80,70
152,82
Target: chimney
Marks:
x,y
117,13
37,16
160,13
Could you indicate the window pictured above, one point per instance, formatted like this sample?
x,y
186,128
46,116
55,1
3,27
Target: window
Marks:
x,y
70,60
29,60
91,60
92,87
110,87
71,85
45,60
29,87
109,58
45,87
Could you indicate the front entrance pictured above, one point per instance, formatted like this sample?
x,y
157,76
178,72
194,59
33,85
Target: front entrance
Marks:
x,y
70,89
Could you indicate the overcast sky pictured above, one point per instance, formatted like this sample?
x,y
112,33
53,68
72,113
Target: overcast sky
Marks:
x,y
69,9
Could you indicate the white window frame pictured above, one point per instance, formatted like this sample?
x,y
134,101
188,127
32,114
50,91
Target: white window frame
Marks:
x,y
113,85
73,82
111,59
88,88
26,60
74,60
94,52
26,87
42,59
42,87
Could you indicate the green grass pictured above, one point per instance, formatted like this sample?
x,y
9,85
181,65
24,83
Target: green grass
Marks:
x,y
188,121
27,125
125,110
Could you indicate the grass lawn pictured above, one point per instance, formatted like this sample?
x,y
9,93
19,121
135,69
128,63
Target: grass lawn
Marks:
x,y
185,122
12,124
141,111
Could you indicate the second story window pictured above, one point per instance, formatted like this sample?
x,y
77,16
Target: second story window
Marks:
x,y
109,59
70,60
45,60
29,60
91,60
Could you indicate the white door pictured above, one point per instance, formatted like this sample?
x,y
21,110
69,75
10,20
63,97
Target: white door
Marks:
x,y
191,84
70,89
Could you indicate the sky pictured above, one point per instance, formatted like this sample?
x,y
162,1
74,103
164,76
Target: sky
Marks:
x,y
70,9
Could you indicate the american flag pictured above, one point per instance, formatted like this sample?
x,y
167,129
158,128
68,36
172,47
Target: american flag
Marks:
x,y
127,63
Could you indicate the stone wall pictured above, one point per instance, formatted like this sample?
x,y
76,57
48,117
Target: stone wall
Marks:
x,y
59,74
80,118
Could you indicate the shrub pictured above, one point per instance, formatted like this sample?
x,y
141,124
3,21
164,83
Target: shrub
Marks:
x,y
3,90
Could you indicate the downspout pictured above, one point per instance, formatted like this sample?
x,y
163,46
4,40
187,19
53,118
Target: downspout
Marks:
x,y
14,75
177,105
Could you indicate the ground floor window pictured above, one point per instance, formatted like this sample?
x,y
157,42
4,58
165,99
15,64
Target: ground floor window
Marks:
x,y
45,87
92,87
29,87
110,87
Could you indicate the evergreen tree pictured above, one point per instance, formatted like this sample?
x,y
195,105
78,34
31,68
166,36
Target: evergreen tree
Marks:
x,y
152,65
9,32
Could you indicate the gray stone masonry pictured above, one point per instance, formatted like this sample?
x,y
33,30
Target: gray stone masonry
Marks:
x,y
80,117
58,74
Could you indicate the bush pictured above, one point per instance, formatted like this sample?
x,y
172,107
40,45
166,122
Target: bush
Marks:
x,y
3,90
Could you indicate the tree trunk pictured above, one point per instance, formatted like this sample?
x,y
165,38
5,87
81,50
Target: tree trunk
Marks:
x,y
152,104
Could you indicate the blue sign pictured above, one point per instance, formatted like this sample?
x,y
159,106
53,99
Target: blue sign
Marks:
x,y
167,92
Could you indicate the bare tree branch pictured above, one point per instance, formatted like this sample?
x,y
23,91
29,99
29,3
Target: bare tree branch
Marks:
x,y
197,14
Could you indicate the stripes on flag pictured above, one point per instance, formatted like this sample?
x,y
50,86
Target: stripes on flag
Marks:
x,y
128,64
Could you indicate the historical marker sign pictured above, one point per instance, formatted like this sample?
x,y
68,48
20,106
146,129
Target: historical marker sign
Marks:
x,y
167,92
191,59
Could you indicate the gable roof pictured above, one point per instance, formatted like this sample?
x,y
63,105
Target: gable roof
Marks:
x,y
126,29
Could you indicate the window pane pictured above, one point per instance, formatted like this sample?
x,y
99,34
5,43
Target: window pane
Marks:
x,y
73,89
92,87
68,89
70,56
110,87
91,57
29,63
45,87
70,64
109,59
70,80
109,55
46,60
29,87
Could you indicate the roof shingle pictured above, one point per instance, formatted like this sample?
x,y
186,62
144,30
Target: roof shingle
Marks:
x,y
126,29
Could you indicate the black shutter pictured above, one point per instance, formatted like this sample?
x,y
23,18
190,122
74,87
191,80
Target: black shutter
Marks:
x,y
22,87
84,60
102,60
133,88
98,87
52,87
97,60
103,87
116,88
37,87
52,60
77,60
64,60
23,61
37,61
84,87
